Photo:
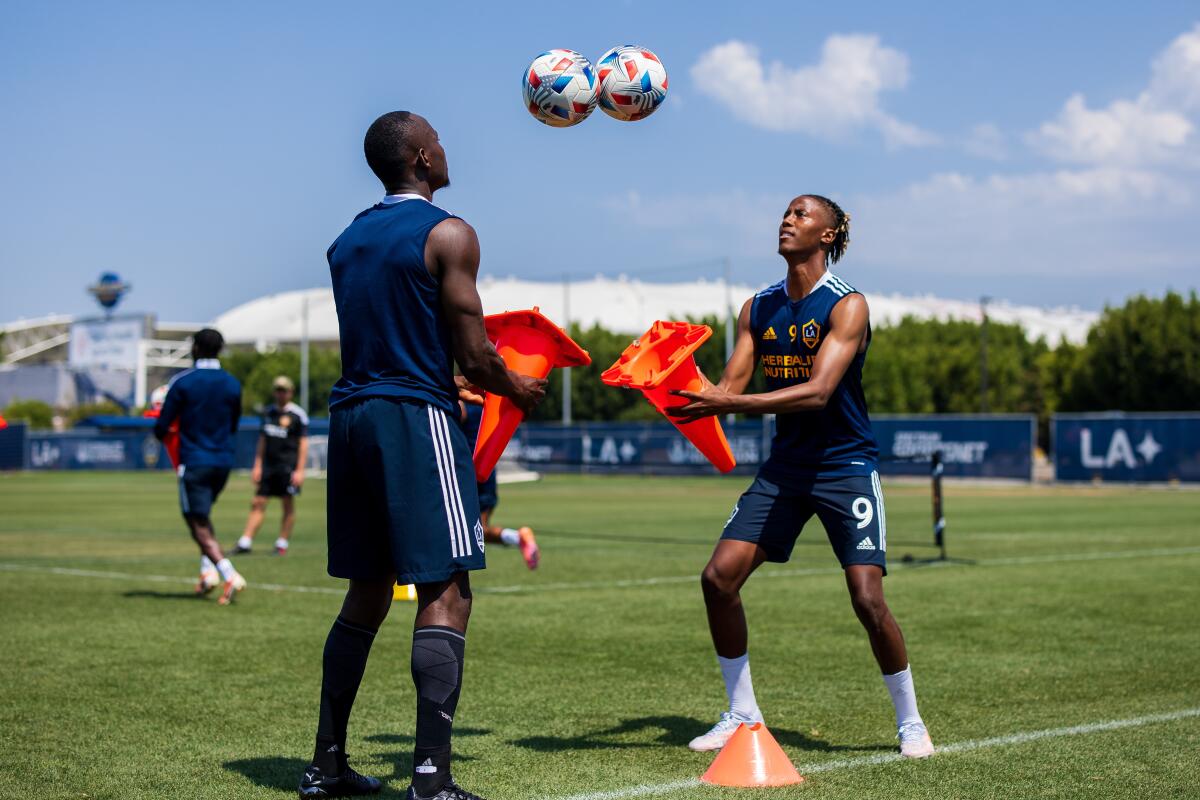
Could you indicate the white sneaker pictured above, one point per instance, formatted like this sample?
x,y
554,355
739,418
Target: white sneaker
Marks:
x,y
914,740
719,734
232,586
209,580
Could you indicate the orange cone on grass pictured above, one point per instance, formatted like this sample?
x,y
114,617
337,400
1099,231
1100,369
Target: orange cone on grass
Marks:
x,y
532,345
752,758
662,361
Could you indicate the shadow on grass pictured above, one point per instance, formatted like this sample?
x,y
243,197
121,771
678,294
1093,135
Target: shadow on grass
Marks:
x,y
673,732
270,772
143,593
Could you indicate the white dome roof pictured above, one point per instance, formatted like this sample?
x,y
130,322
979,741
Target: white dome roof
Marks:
x,y
625,306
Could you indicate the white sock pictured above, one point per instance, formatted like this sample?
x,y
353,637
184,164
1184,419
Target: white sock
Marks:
x,y
281,543
206,565
736,672
904,697
510,537
225,567
245,542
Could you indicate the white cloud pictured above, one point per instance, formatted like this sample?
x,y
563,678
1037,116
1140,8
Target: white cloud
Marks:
x,y
1124,133
838,95
1153,128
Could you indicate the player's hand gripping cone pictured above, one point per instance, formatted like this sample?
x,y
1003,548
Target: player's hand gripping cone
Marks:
x,y
531,345
662,361
752,758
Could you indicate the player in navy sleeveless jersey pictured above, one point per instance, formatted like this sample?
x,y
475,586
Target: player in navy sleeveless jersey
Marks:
x,y
401,489
810,333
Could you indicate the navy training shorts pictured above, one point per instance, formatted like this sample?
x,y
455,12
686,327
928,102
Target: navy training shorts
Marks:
x,y
401,493
773,511
489,496
199,488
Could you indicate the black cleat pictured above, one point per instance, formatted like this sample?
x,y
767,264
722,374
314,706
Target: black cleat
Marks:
x,y
238,550
448,792
316,784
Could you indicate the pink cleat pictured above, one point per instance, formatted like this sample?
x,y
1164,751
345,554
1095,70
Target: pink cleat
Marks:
x,y
529,548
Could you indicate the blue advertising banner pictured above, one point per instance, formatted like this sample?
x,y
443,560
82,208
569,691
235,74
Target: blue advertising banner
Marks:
x,y
997,446
1127,447
88,450
983,446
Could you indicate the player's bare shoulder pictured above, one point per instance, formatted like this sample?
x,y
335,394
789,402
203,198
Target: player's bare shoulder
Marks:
x,y
451,242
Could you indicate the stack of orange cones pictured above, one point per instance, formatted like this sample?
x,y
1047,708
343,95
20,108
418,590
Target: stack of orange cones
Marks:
x,y
752,758
662,361
532,345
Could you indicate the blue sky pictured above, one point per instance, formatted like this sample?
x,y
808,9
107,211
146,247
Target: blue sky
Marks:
x,y
209,152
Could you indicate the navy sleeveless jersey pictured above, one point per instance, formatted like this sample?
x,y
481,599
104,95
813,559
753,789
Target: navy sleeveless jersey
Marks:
x,y
394,338
787,337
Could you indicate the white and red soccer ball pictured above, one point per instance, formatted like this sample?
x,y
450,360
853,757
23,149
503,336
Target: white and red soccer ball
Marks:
x,y
560,88
633,82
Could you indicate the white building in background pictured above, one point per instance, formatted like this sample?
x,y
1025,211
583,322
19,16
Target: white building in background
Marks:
x,y
54,352
625,306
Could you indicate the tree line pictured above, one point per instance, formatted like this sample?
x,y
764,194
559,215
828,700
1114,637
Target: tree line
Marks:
x,y
1141,356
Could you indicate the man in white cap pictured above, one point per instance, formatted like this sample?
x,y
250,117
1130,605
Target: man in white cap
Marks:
x,y
279,461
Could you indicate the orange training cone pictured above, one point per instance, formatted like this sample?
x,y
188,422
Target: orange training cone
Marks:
x,y
404,591
662,361
532,345
752,758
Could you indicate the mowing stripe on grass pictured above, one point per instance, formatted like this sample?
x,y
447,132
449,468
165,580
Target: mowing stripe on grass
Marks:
x,y
646,790
629,583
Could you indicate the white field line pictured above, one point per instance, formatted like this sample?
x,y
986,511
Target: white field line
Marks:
x,y
630,583
645,790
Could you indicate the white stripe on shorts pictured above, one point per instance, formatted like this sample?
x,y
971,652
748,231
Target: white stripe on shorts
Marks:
x,y
450,491
455,489
880,512
437,452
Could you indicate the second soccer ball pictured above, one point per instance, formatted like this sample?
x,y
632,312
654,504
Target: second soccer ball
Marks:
x,y
633,82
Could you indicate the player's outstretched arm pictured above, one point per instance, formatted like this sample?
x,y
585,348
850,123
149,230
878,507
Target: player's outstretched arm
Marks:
x,y
848,328
740,368
452,254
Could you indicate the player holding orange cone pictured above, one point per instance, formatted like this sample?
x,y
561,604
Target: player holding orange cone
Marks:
x,y
530,345
661,363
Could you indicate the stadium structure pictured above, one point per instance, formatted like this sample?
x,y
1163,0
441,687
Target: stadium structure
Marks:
x,y
66,360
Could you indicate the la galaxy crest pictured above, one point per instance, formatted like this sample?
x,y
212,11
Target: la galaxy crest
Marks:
x,y
810,334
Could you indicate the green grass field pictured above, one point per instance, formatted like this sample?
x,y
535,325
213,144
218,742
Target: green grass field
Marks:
x,y
1072,643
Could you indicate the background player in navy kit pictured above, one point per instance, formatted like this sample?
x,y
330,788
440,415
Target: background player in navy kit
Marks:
x,y
489,498
207,401
402,502
811,332
279,461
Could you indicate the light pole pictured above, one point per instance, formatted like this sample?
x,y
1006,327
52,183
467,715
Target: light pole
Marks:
x,y
983,354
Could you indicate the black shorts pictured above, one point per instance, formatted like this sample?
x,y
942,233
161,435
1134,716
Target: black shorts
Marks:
x,y
277,483
199,488
772,512
489,498
401,494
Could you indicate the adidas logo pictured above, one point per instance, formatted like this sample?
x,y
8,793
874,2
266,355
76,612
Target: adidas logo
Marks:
x,y
426,768
770,335
866,544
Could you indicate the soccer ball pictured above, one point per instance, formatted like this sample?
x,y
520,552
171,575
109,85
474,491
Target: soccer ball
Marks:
x,y
560,88
633,83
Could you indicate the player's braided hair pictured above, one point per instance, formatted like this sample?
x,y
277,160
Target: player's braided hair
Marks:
x,y
841,226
